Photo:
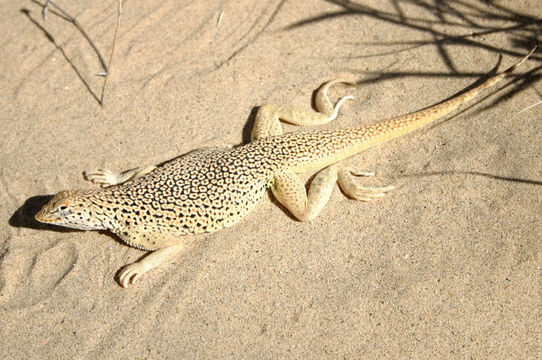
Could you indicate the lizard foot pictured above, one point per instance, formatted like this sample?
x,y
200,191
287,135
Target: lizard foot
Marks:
x,y
101,177
130,274
322,102
355,191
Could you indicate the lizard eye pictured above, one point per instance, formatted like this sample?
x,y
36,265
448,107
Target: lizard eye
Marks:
x,y
63,207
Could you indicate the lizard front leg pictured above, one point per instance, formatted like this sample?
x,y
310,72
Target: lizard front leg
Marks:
x,y
131,273
165,246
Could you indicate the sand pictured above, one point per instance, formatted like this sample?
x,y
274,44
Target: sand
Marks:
x,y
446,266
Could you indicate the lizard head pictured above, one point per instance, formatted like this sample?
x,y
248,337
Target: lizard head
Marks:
x,y
72,209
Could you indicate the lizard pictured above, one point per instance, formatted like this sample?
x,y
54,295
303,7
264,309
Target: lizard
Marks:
x,y
203,191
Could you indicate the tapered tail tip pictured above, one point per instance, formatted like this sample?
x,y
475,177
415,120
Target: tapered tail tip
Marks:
x,y
518,64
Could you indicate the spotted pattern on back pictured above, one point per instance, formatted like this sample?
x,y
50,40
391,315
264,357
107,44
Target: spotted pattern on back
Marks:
x,y
202,191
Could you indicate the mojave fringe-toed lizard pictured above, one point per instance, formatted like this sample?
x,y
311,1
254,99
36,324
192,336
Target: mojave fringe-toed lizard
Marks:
x,y
203,191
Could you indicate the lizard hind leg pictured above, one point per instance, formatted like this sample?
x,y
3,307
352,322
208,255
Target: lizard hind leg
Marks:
x,y
104,177
290,192
347,183
322,102
268,116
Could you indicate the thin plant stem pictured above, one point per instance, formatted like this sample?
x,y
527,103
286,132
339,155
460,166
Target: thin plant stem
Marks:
x,y
112,52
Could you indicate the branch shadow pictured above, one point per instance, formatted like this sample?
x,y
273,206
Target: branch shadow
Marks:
x,y
475,19
475,173
50,37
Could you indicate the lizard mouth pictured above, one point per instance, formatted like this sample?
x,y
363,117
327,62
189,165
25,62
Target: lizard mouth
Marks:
x,y
41,218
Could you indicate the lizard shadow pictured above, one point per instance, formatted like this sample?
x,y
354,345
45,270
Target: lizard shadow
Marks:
x,y
23,217
249,124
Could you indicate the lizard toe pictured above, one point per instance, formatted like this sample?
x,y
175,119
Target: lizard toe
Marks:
x,y
130,274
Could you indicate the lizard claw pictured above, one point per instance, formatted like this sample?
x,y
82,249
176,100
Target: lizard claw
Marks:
x,y
356,191
130,274
322,102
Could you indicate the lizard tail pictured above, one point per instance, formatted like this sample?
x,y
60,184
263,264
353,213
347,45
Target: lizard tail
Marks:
x,y
401,125
329,146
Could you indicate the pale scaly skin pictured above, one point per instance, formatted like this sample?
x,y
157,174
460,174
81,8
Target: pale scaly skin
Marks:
x,y
153,207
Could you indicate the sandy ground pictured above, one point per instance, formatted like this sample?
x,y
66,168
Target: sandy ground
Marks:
x,y
446,266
